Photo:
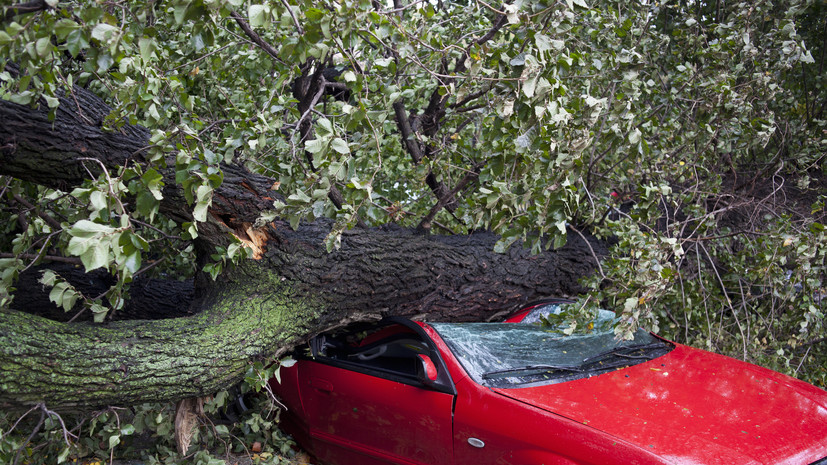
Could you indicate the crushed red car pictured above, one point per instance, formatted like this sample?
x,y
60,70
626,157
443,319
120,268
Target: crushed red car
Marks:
x,y
406,392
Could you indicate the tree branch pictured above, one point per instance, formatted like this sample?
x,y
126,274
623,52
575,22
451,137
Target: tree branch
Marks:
x,y
426,222
55,224
23,8
253,36
404,124
52,258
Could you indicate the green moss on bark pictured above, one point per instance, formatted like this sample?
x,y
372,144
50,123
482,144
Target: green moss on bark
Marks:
x,y
248,316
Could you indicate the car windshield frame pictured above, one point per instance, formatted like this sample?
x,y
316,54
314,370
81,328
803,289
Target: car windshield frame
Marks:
x,y
512,355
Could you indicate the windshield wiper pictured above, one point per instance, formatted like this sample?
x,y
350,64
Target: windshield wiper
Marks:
x,y
491,374
620,351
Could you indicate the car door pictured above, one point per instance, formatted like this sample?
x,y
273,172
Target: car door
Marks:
x,y
364,404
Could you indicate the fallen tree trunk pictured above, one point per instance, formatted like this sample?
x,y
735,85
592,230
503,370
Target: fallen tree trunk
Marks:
x,y
254,311
261,308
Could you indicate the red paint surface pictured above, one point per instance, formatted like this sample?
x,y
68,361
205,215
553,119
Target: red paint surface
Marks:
x,y
694,407
688,407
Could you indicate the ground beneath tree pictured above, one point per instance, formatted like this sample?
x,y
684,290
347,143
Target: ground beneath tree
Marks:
x,y
233,459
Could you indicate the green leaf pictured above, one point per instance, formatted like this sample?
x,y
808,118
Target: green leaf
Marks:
x,y
64,27
154,181
314,14
340,146
49,278
203,197
316,146
96,256
529,86
104,32
97,200
86,229
64,454
543,42
76,42
133,262
147,205
51,102
56,294
99,312
114,440
43,46
325,127
258,15
147,47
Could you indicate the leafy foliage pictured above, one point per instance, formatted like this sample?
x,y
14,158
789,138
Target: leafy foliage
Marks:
x,y
146,433
691,134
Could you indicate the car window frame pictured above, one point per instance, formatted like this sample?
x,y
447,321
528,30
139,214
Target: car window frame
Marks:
x,y
444,382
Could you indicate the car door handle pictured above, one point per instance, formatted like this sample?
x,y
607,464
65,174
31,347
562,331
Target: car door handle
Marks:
x,y
476,443
321,384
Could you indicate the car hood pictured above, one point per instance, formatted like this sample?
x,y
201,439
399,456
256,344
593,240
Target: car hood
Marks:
x,y
694,407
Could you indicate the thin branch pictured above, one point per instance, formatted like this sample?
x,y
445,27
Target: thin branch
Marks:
x,y
726,296
402,8
498,24
594,255
35,430
468,98
407,131
55,224
52,258
24,8
293,15
255,37
426,222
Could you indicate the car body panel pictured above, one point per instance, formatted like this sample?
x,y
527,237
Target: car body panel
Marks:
x,y
696,407
687,407
516,434
395,422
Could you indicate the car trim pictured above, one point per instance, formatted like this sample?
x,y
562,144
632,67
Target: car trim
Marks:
x,y
444,382
360,449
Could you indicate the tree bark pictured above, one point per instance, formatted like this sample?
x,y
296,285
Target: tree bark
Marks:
x,y
254,311
262,308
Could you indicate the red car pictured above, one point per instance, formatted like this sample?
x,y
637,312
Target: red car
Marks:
x,y
406,392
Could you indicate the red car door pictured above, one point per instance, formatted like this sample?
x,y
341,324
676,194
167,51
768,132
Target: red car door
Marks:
x,y
365,411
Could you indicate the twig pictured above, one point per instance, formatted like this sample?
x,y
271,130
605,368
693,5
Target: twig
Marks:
x,y
52,258
48,219
728,300
35,430
594,255
442,201
292,15
18,422
24,8
255,37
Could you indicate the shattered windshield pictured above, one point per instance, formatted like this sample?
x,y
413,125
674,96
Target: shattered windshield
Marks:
x,y
520,354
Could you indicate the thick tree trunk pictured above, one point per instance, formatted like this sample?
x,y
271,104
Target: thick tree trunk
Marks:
x,y
82,366
61,153
254,311
263,307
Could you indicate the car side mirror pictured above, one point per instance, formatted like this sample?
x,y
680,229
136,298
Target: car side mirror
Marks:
x,y
426,370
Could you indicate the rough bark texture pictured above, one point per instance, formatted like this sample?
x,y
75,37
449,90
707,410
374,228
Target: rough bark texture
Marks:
x,y
254,311
149,298
79,366
61,153
399,272
264,306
